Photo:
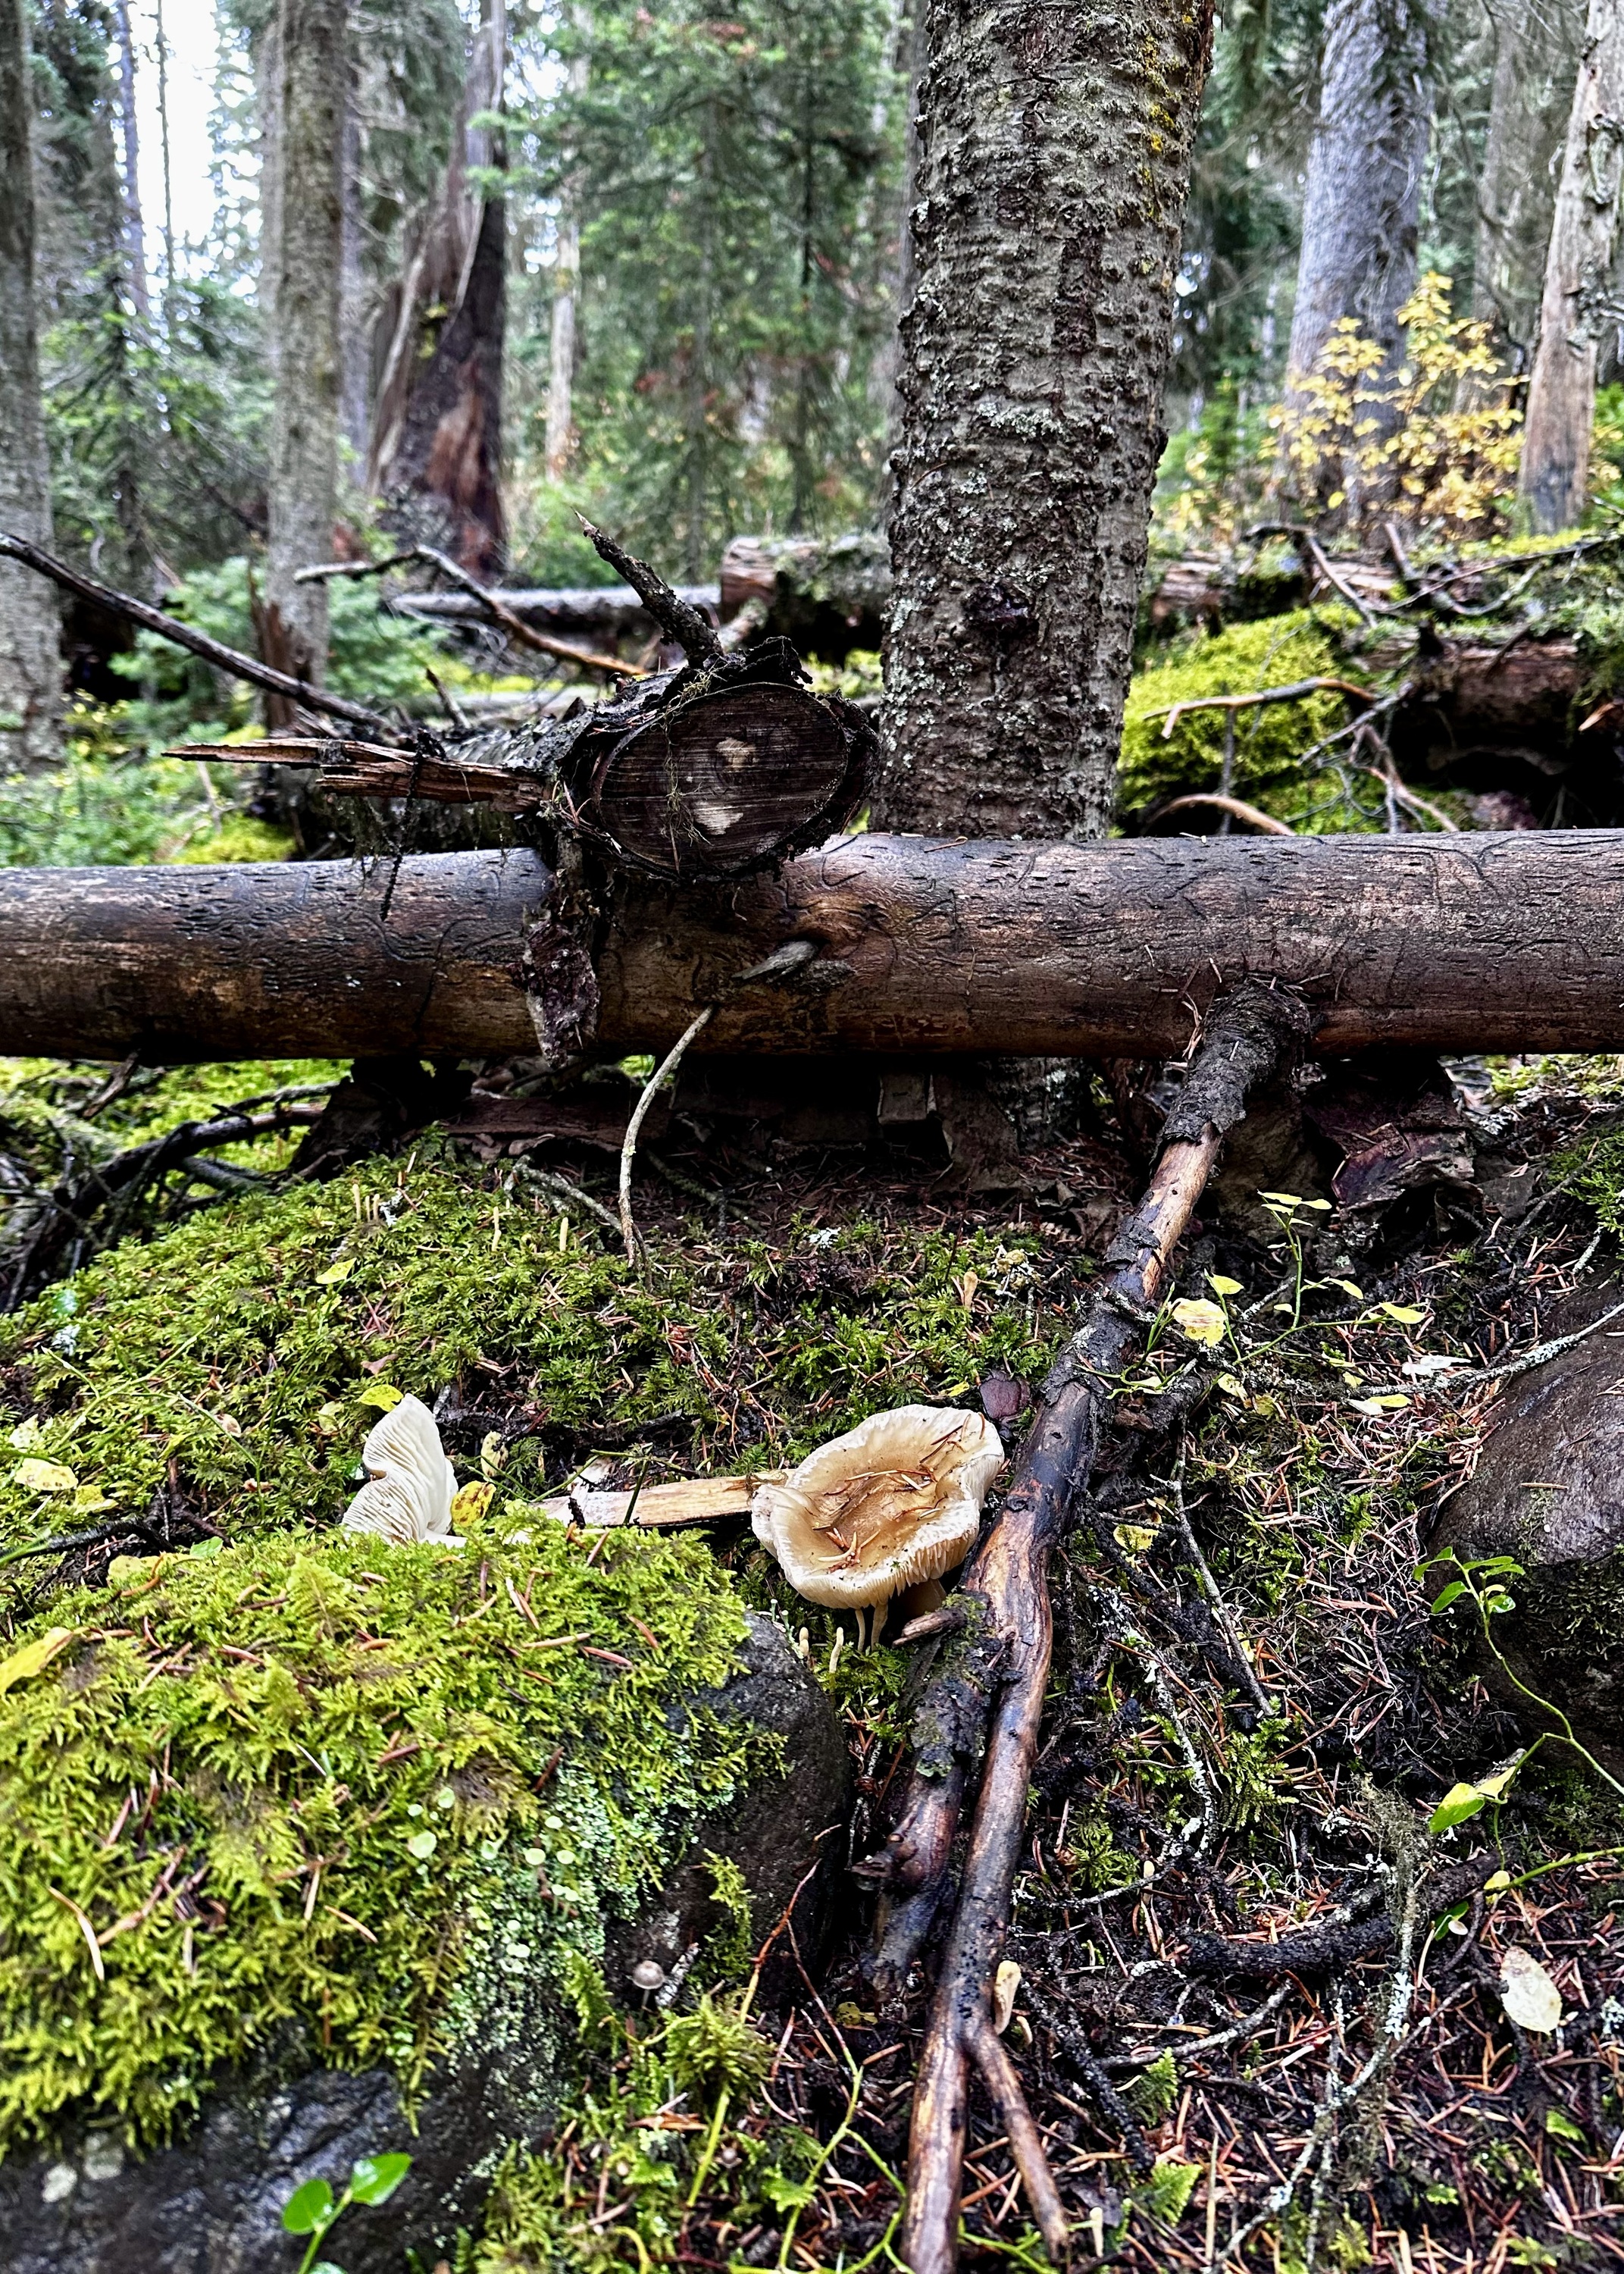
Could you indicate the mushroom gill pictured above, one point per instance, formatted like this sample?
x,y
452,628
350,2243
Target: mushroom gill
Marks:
x,y
410,1484
896,1501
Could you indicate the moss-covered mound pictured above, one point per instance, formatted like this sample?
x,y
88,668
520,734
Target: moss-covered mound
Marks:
x,y
1271,741
278,1797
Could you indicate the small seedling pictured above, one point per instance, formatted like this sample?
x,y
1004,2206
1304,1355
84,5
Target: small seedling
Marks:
x,y
313,2208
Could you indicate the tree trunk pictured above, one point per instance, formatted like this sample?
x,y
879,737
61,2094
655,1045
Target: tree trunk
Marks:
x,y
437,422
1054,151
1536,57
354,330
134,234
1362,199
313,47
1573,308
30,624
562,344
1458,944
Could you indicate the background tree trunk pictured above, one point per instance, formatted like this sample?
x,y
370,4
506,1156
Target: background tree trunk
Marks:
x,y
30,625
1054,150
1362,199
566,285
313,44
134,232
1573,310
1536,57
436,424
354,331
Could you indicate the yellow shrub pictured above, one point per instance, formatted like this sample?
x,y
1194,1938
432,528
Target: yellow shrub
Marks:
x,y
1436,441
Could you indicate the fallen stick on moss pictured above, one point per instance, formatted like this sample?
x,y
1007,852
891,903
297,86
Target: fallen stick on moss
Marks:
x,y
1173,712
995,1674
662,1508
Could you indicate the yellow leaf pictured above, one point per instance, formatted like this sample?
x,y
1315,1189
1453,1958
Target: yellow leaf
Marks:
x,y
1135,1538
25,1435
1201,1320
471,1501
1220,1285
1527,1992
1404,1312
1231,1388
335,1273
90,1500
44,1477
33,1656
383,1395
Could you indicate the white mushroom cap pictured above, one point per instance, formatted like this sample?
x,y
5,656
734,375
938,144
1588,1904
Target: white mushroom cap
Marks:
x,y
895,1500
411,1484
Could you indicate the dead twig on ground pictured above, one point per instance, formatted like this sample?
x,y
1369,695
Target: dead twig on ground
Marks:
x,y
995,1678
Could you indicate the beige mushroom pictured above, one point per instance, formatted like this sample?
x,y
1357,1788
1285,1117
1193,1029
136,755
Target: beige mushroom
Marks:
x,y
896,1501
410,1484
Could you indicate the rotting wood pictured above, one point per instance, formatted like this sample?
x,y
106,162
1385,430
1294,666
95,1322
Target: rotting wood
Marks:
x,y
993,1681
1465,942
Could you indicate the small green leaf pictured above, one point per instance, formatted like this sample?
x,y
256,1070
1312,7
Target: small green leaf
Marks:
x,y
1560,2124
1459,1803
421,1845
309,2209
1441,1602
375,2177
1405,1313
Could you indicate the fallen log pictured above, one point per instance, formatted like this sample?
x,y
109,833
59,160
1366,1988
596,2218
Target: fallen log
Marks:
x,y
1471,942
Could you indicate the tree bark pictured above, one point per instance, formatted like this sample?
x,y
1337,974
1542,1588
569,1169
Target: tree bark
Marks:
x,y
437,421
1479,942
134,231
1535,58
1573,308
561,439
1362,199
313,45
1054,150
30,624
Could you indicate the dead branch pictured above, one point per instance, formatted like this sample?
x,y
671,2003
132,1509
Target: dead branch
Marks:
x,y
1237,807
1004,1660
543,642
169,627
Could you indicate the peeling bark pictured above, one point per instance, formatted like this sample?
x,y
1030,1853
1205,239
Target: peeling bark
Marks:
x,y
438,421
1053,162
1574,310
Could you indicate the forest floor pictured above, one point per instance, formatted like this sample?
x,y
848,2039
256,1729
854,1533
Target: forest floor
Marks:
x,y
1375,2107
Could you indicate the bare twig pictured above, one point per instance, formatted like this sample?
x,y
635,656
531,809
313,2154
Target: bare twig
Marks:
x,y
1173,712
1237,807
998,1676
169,627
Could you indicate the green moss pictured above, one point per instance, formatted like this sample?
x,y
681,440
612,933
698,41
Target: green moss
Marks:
x,y
240,837
235,1350
289,1785
1269,740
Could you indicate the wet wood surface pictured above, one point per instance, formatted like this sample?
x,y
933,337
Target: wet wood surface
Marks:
x,y
1489,942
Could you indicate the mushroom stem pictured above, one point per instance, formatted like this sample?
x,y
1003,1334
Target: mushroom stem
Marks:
x,y
994,1676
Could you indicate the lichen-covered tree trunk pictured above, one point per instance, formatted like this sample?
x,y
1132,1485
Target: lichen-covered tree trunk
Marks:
x,y
1053,162
436,424
1536,56
30,627
1575,305
312,51
1362,198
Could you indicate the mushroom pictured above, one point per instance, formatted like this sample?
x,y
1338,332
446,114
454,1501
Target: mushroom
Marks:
x,y
896,1501
410,1484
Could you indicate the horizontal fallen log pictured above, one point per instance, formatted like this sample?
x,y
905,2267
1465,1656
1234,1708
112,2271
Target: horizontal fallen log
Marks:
x,y
1472,942
612,611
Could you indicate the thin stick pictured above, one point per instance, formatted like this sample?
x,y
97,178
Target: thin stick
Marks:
x,y
1173,712
168,627
1237,807
651,1088
515,626
1025,2142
